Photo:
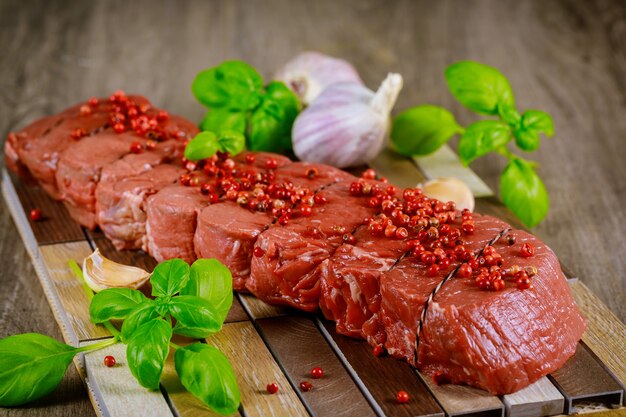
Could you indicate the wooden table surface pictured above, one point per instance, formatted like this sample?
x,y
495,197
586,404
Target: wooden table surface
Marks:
x,y
565,57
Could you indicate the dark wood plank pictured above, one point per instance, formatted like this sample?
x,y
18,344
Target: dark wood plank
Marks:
x,y
583,379
383,377
57,226
299,346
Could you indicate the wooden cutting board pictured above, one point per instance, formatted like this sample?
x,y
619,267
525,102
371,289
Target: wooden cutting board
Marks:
x,y
270,344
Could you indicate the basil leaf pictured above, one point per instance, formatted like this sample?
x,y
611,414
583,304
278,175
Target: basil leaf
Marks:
x,y
423,129
169,277
479,87
527,139
147,350
195,316
523,192
143,314
202,146
218,120
231,142
210,280
114,303
208,375
531,124
481,138
31,366
271,122
234,85
509,114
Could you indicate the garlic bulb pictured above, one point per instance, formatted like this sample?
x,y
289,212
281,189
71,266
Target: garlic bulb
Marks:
x,y
450,189
309,73
347,124
101,273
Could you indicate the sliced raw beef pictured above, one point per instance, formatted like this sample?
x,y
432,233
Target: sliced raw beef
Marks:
x,y
120,205
405,288
349,282
80,165
287,272
40,153
502,341
227,231
172,212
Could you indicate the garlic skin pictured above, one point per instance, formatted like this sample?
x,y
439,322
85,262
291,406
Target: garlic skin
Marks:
x,y
347,125
101,273
309,73
450,189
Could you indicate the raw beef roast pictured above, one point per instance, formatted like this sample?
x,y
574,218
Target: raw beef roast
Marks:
x,y
502,341
453,293
227,231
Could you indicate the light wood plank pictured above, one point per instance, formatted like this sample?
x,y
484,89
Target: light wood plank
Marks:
x,y
185,403
69,289
445,163
538,399
259,309
398,169
255,368
116,390
606,334
457,400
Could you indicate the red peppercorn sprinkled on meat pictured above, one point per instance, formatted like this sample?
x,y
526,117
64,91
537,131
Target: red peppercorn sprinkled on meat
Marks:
x,y
78,133
272,388
378,350
311,173
306,386
271,163
369,174
527,250
136,147
36,215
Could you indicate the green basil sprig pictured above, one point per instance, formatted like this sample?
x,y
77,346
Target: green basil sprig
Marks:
x,y
207,144
238,102
197,297
483,89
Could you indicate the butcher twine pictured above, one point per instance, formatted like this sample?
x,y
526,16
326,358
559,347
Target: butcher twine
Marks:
x,y
441,284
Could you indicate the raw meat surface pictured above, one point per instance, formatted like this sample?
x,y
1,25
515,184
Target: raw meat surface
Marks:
x,y
172,213
288,271
405,288
120,205
502,341
227,231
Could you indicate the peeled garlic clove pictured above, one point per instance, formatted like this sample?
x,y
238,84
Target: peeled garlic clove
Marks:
x,y
309,73
101,273
347,124
450,189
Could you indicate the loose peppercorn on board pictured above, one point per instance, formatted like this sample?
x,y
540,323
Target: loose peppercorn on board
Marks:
x,y
273,344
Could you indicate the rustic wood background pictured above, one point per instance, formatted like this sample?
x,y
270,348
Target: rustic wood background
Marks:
x,y
565,57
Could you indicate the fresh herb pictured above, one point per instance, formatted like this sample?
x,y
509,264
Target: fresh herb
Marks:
x,y
483,89
207,144
238,102
197,297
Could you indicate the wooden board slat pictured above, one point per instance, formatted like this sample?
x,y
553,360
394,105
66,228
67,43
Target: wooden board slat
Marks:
x,y
382,377
445,163
117,391
258,309
299,346
399,170
583,379
462,400
69,289
255,368
539,399
606,334
57,225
